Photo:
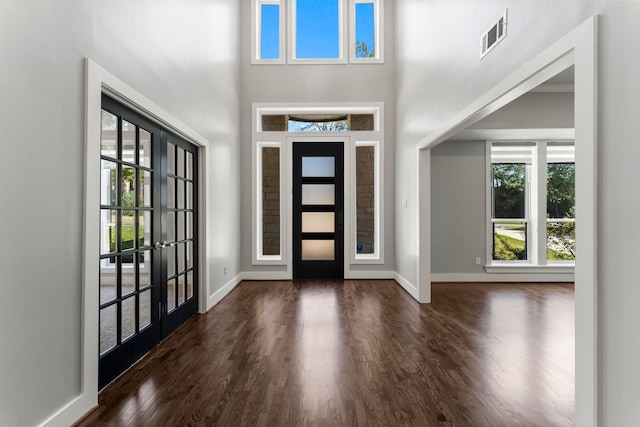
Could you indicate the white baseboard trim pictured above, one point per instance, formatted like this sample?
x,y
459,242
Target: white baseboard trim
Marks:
x,y
502,277
223,292
266,275
72,411
408,286
369,275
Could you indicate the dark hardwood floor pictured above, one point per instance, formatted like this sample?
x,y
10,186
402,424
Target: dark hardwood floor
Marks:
x,y
359,353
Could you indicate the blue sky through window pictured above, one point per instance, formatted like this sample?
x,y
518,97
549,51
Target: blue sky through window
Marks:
x,y
270,32
317,29
365,27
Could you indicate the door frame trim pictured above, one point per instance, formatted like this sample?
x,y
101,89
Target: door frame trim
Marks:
x,y
98,81
288,153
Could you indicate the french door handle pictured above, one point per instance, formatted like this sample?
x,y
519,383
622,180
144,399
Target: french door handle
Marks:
x,y
162,245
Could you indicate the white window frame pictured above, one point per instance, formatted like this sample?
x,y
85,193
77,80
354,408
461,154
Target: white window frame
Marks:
x,y
287,33
378,8
292,42
535,215
377,257
260,138
256,32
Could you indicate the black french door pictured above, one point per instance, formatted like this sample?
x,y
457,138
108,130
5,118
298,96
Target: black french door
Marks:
x,y
148,244
318,210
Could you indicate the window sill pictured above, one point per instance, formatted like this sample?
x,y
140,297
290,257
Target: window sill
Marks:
x,y
530,268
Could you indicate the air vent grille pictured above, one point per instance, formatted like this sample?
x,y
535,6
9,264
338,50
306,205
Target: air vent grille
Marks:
x,y
494,35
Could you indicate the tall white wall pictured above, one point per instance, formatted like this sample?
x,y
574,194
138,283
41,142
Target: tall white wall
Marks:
x,y
180,55
439,74
317,84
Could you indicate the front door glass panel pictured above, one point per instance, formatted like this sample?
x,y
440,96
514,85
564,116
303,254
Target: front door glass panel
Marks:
x,y
318,200
318,167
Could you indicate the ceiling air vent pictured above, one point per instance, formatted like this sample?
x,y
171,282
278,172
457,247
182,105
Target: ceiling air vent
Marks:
x,y
494,35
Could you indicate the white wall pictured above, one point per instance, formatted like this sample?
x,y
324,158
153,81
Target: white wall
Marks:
x,y
180,55
533,110
458,207
317,84
438,76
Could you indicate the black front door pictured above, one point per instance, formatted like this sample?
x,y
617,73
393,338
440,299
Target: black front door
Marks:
x,y
148,245
318,210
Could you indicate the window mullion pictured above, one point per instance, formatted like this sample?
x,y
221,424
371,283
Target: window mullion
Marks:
x,y
541,197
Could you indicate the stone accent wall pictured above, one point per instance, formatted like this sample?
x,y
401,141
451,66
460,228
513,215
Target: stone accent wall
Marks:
x,y
271,201
361,122
365,198
274,123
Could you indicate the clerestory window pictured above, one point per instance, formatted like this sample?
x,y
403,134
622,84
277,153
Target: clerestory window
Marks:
x,y
317,31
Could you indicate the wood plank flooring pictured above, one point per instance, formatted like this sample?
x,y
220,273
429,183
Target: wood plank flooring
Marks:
x,y
359,353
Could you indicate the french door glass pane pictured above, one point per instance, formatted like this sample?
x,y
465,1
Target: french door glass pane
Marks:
x,y
109,135
107,282
127,186
109,178
108,325
181,256
144,229
318,167
189,255
171,226
128,278
318,250
181,288
190,285
181,197
144,188
171,295
128,142
144,306
128,320
171,261
189,165
189,225
145,148
189,195
108,230
144,268
180,163
128,230
171,159
171,193
181,225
